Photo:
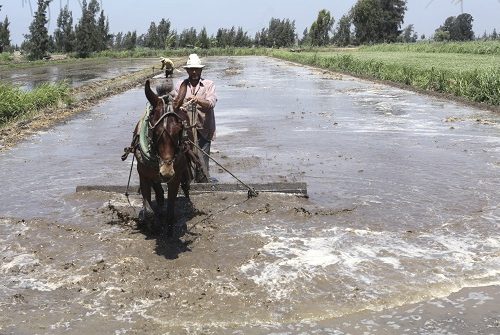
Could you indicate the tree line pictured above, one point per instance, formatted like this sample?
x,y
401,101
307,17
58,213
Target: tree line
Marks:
x,y
367,22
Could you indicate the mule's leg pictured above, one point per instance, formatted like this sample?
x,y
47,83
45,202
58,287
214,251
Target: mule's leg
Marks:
x,y
185,185
145,186
159,195
160,203
173,188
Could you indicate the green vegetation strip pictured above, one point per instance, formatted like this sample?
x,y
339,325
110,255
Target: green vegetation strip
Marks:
x,y
145,52
453,74
470,47
16,103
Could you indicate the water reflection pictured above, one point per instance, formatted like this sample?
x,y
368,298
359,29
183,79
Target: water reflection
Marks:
x,y
75,73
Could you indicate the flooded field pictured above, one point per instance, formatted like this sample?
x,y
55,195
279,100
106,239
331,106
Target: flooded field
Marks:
x,y
77,72
399,234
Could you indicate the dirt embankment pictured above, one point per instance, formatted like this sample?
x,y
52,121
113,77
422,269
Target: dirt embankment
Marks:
x,y
85,97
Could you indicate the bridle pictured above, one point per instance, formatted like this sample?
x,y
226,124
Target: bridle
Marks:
x,y
162,121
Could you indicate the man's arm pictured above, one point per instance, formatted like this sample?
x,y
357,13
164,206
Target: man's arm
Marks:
x,y
210,97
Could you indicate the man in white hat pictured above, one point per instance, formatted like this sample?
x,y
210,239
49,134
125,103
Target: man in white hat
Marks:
x,y
199,100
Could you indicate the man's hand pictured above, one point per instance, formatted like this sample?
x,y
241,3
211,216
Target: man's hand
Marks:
x,y
193,100
198,101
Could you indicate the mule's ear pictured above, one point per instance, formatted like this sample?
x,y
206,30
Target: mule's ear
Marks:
x,y
152,97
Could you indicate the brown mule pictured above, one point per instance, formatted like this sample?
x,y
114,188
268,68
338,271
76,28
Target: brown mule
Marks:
x,y
170,157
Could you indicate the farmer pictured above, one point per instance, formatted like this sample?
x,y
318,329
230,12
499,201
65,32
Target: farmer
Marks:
x,y
165,84
198,99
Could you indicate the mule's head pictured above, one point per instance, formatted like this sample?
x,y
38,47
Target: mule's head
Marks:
x,y
167,132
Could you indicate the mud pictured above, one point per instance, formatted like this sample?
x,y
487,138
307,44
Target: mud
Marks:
x,y
398,235
115,276
193,278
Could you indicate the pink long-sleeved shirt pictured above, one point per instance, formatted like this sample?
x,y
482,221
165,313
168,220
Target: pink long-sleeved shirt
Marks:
x,y
205,89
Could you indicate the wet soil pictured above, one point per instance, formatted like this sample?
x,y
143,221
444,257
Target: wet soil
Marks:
x,y
115,275
128,271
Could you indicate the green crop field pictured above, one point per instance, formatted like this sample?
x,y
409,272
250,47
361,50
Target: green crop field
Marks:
x,y
471,74
427,61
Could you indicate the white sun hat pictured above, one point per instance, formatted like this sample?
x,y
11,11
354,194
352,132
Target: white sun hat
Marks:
x,y
193,62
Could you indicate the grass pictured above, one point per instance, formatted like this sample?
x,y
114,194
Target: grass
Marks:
x,y
472,47
16,104
5,57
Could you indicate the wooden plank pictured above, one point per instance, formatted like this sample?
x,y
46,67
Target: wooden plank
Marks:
x,y
298,188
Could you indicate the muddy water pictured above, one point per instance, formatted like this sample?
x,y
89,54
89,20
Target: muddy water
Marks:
x,y
76,73
403,211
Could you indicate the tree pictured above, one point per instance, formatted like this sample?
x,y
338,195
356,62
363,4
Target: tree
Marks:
x,y
91,34
240,38
225,37
151,39
187,39
84,31
166,38
393,16
264,38
378,21
366,16
118,41
129,40
203,40
103,35
342,36
462,30
408,35
4,34
494,34
441,35
280,33
321,28
64,35
219,38
158,36
456,29
37,41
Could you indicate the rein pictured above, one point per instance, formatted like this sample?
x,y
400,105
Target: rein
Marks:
x,y
163,119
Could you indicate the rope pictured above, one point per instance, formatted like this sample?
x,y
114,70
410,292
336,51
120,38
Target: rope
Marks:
x,y
128,183
251,191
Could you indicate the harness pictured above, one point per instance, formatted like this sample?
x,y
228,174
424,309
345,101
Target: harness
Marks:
x,y
144,142
148,141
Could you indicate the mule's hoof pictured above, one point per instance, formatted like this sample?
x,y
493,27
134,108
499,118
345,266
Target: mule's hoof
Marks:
x,y
145,215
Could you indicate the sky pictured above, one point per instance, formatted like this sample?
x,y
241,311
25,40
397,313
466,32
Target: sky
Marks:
x,y
251,15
